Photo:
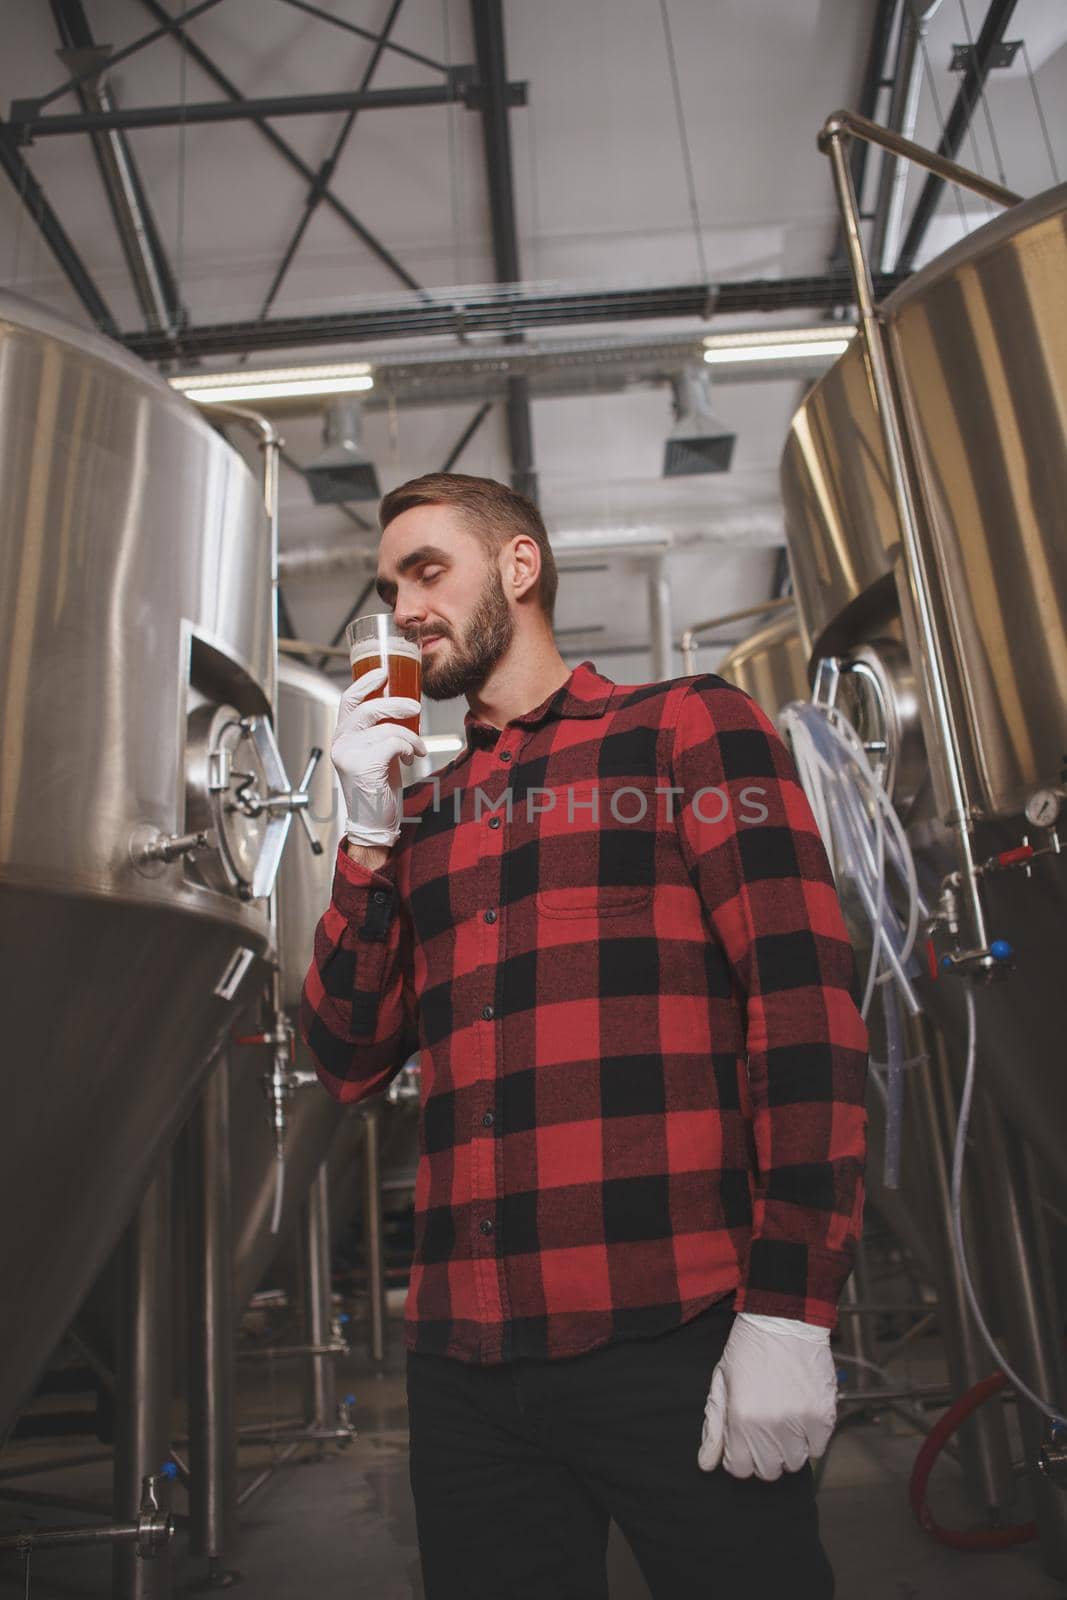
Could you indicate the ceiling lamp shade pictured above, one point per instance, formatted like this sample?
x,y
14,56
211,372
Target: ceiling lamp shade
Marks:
x,y
343,471
699,441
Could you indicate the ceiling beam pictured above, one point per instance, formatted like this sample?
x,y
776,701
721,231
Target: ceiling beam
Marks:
x,y
487,21
959,119
153,280
874,77
465,314
33,198
316,191
26,119
173,26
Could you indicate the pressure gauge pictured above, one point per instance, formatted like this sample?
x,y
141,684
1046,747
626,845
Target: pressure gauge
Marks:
x,y
1043,807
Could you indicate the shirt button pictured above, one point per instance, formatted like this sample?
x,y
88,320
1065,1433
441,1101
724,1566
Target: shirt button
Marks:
x,y
488,1119
505,755
379,897
494,822
490,916
486,1226
487,1013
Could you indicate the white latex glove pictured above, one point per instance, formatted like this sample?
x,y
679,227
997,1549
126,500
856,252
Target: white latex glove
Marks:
x,y
773,1398
367,745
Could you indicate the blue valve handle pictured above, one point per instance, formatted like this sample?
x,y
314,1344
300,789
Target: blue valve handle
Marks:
x,y
168,1470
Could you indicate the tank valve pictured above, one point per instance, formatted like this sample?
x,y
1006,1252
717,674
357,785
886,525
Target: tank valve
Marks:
x,y
151,851
155,1528
1052,1457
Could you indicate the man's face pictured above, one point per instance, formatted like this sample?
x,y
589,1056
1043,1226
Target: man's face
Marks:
x,y
440,581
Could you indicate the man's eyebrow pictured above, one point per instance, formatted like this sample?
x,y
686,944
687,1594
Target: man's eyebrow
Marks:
x,y
414,558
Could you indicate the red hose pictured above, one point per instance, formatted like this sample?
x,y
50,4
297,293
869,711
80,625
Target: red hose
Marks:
x,y
940,1433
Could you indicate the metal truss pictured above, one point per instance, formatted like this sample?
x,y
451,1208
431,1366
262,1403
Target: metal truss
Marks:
x,y
142,245
487,22
959,119
504,311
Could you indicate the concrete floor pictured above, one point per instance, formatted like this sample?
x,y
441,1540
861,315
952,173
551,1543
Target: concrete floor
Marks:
x,y
344,1525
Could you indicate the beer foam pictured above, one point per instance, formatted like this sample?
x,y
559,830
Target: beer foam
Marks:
x,y
373,648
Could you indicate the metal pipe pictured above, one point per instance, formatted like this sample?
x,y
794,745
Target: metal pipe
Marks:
x,y
1029,1314
33,198
856,1332
933,1394
373,1242
287,1352
499,310
984,1454
266,1475
43,1538
689,636
152,279
212,1441
144,1376
995,22
30,1469
903,113
30,125
918,588
842,124
661,642
320,1390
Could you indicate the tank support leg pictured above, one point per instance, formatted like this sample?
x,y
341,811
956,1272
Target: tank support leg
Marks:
x,y
212,1437
144,1380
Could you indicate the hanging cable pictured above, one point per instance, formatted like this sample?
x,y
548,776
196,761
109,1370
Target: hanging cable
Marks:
x,y
1040,114
975,155
985,104
935,97
683,138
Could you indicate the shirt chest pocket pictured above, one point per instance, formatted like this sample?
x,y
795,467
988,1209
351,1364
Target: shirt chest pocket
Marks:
x,y
596,851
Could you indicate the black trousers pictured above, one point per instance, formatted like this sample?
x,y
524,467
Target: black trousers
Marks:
x,y
517,1469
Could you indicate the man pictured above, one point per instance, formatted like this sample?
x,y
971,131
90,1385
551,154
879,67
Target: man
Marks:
x,y
610,929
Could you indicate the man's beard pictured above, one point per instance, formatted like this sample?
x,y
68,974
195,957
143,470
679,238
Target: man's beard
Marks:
x,y
473,657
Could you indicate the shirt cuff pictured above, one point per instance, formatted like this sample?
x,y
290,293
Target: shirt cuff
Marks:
x,y
787,1278
354,884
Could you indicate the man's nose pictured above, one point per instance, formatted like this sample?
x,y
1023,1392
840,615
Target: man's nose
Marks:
x,y
409,612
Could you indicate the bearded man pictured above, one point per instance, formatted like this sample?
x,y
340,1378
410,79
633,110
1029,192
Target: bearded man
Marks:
x,y
610,930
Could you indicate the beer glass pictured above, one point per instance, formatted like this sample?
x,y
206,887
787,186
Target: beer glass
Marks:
x,y
376,641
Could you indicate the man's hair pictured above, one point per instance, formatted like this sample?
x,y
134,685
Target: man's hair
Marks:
x,y
490,509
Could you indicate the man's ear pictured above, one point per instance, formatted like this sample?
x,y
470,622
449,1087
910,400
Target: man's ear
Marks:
x,y
520,566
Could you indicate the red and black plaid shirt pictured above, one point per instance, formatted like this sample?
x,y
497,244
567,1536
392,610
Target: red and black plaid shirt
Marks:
x,y
612,934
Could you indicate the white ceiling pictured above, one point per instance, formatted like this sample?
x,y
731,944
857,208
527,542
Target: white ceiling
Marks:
x,y
601,198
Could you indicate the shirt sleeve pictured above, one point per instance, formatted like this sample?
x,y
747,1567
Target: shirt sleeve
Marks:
x,y
358,1013
754,854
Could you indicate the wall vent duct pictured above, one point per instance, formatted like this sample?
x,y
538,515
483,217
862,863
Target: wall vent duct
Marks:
x,y
699,441
343,471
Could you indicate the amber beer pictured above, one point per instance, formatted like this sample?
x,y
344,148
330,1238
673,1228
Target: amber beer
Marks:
x,y
403,660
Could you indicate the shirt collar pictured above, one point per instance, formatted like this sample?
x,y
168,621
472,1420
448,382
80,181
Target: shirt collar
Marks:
x,y
584,694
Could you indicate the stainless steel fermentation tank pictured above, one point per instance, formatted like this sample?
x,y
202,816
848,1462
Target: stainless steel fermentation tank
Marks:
x,y
307,713
979,345
924,482
136,675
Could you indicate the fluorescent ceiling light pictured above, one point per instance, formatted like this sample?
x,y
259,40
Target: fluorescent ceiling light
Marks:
x,y
441,743
781,344
280,383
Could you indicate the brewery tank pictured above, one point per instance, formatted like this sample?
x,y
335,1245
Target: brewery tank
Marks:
x,y
136,659
979,346
307,713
